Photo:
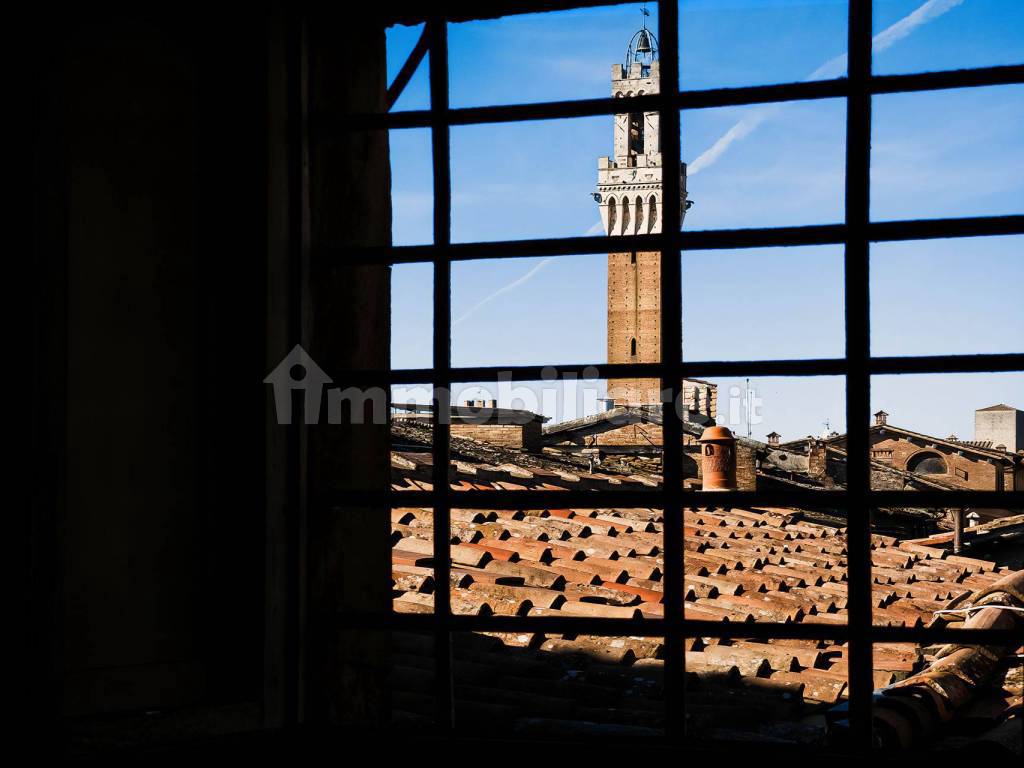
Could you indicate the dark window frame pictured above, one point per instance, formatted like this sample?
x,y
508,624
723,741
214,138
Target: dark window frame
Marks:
x,y
856,233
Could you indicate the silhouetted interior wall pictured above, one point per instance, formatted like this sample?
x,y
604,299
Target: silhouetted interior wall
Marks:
x,y
157,179
172,273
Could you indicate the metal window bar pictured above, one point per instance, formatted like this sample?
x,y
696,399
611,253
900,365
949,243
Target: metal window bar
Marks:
x,y
858,377
856,232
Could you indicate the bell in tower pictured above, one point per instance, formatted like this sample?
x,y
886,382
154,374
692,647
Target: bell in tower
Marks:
x,y
643,43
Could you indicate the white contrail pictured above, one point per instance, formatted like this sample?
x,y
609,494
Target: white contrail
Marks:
x,y
504,289
930,10
597,228
743,127
832,68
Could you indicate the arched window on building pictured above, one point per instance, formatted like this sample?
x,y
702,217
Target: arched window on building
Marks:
x,y
632,346
927,463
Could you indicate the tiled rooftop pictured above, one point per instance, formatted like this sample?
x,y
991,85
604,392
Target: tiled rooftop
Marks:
x,y
760,564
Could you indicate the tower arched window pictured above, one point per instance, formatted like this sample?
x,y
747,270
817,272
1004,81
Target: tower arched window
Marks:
x,y
635,128
632,346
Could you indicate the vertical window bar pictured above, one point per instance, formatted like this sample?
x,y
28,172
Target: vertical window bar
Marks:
x,y
858,381
438,37
671,385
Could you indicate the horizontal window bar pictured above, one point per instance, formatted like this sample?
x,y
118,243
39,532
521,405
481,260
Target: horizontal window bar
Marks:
x,y
654,498
931,229
697,99
657,627
947,364
719,239
953,78
943,499
531,373
707,239
1004,362
459,12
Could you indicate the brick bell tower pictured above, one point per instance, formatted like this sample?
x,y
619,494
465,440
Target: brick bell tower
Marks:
x,y
629,197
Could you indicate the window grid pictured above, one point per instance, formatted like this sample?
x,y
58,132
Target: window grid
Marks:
x,y
855,233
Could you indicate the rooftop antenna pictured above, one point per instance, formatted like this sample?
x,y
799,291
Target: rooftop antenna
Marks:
x,y
748,406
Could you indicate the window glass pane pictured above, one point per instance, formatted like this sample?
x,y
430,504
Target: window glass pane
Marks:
x,y
940,432
756,690
526,180
397,668
777,565
412,560
412,315
793,408
557,687
765,165
958,296
942,406
563,433
411,426
522,58
948,153
934,568
778,303
915,36
400,41
537,310
411,680
758,42
412,187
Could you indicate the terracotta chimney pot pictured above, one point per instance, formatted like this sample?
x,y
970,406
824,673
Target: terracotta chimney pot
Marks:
x,y
718,459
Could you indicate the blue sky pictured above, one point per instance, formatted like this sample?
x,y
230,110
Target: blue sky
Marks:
x,y
951,153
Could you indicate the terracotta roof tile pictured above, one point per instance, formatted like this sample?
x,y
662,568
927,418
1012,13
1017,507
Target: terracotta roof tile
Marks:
x,y
756,564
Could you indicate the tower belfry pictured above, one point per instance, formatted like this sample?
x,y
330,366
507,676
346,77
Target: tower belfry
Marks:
x,y
629,197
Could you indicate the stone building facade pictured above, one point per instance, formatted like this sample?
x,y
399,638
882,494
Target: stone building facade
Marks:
x,y
1000,425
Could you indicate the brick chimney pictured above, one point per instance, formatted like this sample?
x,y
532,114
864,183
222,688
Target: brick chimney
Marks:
x,y
880,418
817,461
718,459
773,439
